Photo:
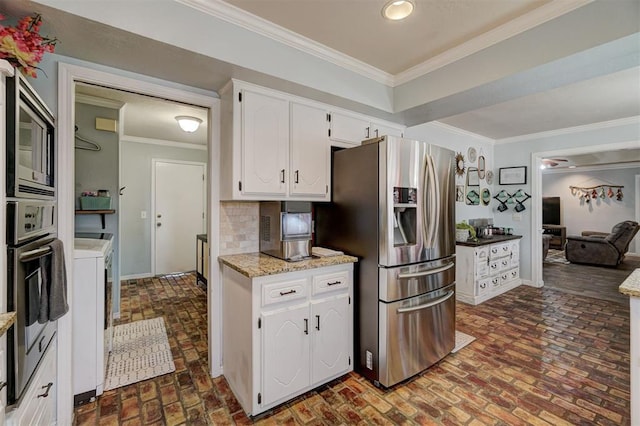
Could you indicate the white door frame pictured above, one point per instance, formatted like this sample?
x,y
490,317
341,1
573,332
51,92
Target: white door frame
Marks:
x,y
536,195
152,222
68,75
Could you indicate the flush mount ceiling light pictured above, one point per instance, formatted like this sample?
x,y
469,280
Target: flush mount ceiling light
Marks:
x,y
398,9
188,124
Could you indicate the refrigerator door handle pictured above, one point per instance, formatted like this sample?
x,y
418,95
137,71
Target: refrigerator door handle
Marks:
x,y
426,273
431,193
427,305
435,193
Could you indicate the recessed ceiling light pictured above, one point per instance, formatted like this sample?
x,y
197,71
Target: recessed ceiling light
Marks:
x,y
398,9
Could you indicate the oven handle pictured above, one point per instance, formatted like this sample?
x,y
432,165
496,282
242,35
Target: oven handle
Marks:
x,y
426,305
427,272
30,255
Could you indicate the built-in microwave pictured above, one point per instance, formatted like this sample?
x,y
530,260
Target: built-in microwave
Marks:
x,y
30,142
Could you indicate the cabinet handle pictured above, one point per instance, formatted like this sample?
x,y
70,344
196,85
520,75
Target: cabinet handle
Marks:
x,y
318,322
40,344
46,392
334,283
376,133
282,176
2,385
367,132
284,293
296,176
306,326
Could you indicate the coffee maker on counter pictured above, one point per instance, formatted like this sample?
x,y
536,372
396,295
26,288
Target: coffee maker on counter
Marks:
x,y
285,229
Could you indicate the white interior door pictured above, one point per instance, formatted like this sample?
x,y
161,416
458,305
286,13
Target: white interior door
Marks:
x,y
179,215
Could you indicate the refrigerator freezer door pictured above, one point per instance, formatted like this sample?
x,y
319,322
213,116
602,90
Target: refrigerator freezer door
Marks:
x,y
415,333
402,282
417,221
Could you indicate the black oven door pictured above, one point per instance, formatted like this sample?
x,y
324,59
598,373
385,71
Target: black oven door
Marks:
x,y
27,339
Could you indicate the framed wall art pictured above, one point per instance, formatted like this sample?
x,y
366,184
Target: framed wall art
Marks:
x,y
512,175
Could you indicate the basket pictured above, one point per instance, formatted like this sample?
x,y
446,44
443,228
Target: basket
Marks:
x,y
95,203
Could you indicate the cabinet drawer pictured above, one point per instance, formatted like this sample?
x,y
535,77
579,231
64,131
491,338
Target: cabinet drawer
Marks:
x,y
284,291
499,250
494,267
330,282
483,286
504,263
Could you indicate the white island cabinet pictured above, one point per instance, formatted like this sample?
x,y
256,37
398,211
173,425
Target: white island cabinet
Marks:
x,y
285,333
487,268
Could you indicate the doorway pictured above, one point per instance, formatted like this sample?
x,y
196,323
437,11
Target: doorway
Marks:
x,y
178,213
68,76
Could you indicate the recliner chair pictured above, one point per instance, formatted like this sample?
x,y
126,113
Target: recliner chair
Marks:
x,y
599,248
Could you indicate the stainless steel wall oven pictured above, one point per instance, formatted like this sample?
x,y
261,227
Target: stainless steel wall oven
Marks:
x,y
30,142
30,228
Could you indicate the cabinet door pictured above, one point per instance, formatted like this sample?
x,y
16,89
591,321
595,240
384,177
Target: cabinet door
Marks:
x,y
265,144
331,343
309,151
350,129
285,346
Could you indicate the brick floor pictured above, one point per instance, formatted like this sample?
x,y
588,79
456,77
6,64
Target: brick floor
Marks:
x,y
540,357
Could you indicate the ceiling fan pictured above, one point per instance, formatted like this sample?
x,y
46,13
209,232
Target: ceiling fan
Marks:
x,y
552,162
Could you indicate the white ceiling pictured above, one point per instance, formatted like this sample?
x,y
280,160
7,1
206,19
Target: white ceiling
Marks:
x,y
354,32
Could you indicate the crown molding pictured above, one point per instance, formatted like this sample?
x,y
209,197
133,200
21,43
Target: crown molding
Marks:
x,y
593,168
99,102
512,28
6,68
248,21
162,142
569,130
462,132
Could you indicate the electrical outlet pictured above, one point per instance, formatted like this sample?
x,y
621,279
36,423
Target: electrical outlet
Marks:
x,y
369,360
143,214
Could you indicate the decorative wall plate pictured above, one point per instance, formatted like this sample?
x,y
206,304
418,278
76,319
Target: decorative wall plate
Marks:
x,y
489,177
471,155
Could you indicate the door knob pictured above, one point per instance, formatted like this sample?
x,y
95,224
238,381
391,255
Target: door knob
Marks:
x,y
158,224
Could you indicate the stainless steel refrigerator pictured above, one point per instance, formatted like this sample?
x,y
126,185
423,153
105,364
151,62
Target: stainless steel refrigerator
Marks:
x,y
393,206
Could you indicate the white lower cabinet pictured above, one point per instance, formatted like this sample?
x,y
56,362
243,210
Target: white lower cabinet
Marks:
x,y
297,335
485,271
38,405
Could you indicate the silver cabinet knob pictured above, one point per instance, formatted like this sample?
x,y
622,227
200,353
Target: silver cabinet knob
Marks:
x,y
158,224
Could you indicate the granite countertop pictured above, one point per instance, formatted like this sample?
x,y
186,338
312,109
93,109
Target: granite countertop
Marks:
x,y
6,320
631,286
257,264
485,241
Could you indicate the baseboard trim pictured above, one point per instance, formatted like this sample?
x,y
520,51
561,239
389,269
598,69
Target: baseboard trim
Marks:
x,y
135,276
532,284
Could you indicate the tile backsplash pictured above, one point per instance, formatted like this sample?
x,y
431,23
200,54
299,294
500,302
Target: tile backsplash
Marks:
x,y
239,227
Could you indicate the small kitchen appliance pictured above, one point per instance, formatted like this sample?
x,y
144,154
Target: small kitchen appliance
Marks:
x,y
285,229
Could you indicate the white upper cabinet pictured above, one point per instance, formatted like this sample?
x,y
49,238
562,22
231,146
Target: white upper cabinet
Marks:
x,y
265,144
276,146
310,152
352,129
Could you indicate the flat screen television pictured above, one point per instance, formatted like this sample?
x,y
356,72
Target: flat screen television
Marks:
x,y
551,210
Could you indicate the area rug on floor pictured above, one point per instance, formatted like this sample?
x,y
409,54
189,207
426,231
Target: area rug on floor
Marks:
x,y
556,256
462,340
140,351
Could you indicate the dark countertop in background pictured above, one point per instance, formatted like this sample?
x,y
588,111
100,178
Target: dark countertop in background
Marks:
x,y
487,241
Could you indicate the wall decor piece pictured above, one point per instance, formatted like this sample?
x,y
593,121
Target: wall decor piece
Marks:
x,y
471,154
460,193
502,197
473,187
481,167
485,196
459,164
512,175
489,177
586,193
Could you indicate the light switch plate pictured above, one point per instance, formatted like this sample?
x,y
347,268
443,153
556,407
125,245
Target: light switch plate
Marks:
x,y
517,217
143,214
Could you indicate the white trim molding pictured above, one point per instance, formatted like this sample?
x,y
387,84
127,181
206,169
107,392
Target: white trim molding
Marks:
x,y
594,168
569,130
462,132
99,102
151,141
